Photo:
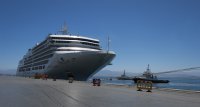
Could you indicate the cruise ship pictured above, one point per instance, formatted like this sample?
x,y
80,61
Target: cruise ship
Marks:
x,y
64,55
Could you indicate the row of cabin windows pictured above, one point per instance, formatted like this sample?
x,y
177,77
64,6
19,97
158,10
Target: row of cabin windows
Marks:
x,y
65,38
24,69
36,64
44,53
36,51
39,55
40,48
85,43
40,51
44,57
33,68
41,63
26,61
89,44
27,66
75,46
38,67
39,45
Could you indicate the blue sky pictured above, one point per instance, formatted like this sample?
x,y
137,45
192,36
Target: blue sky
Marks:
x,y
162,33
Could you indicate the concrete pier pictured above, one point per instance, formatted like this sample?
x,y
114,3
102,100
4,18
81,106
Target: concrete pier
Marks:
x,y
27,92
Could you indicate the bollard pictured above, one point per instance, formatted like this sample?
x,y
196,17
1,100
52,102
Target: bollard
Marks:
x,y
45,76
98,82
37,76
71,79
94,82
54,78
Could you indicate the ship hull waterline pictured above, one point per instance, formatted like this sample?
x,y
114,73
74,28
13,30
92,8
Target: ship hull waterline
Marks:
x,y
152,80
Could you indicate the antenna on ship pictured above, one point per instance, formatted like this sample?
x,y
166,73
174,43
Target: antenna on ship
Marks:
x,y
64,29
124,72
148,69
108,43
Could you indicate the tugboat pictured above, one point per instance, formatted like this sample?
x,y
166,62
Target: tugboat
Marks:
x,y
124,77
148,76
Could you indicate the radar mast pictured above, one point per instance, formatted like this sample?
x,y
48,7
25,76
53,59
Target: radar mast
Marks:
x,y
64,30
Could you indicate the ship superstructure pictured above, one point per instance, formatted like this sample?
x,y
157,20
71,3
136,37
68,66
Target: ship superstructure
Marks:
x,y
63,56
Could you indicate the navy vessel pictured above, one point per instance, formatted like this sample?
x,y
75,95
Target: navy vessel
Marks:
x,y
65,55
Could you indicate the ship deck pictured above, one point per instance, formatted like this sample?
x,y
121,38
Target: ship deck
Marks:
x,y
27,92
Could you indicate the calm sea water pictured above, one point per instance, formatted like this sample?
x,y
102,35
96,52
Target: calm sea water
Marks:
x,y
186,83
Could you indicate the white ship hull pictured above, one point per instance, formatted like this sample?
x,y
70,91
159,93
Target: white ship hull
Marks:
x,y
79,64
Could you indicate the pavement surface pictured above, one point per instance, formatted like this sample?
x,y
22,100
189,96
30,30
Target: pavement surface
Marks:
x,y
27,92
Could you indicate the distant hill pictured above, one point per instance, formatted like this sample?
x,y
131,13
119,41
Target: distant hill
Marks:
x,y
109,73
8,71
